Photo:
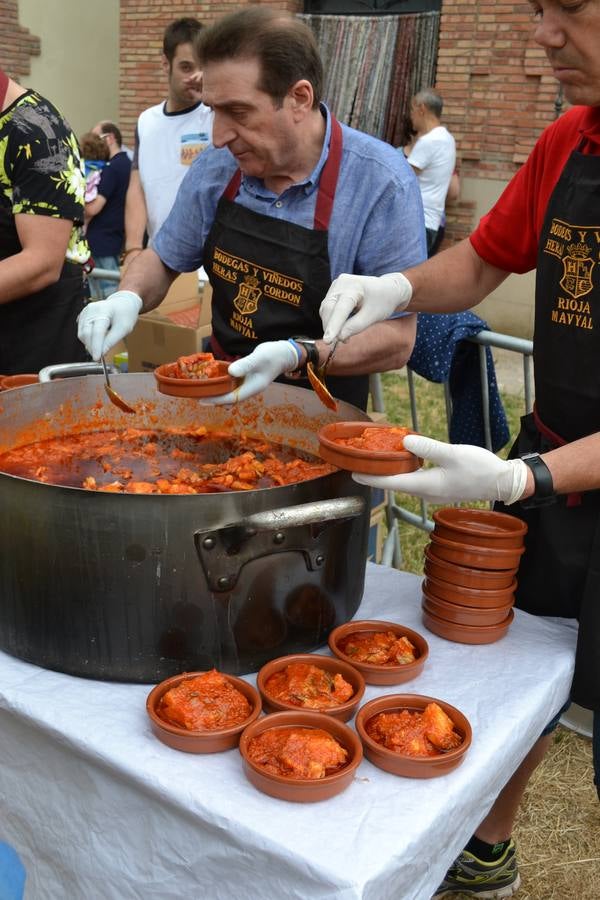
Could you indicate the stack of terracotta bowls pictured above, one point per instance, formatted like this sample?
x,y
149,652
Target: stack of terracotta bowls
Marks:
x,y
470,569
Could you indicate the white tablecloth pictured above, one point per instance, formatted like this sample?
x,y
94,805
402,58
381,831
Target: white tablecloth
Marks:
x,y
99,809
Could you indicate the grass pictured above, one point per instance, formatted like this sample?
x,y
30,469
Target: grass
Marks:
x,y
557,829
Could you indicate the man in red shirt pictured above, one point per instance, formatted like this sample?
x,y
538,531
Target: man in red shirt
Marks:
x,y
548,218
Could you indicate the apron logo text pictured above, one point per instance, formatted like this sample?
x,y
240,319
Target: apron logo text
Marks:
x,y
576,248
243,326
257,282
248,295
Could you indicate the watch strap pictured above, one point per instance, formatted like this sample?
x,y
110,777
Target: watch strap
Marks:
x,y
312,354
544,486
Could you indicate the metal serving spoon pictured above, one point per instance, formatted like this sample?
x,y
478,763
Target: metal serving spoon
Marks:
x,y
317,380
113,396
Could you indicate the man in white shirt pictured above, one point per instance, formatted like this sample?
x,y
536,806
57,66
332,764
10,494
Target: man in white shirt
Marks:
x,y
169,136
432,154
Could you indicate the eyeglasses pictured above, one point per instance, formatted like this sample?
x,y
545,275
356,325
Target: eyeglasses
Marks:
x,y
105,134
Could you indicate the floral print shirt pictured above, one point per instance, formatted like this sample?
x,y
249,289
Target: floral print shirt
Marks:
x,y
41,172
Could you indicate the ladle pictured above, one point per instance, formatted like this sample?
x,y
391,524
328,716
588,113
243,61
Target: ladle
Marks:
x,y
112,394
317,380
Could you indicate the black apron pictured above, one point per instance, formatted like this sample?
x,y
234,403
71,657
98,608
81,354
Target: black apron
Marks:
x,y
559,573
269,276
41,329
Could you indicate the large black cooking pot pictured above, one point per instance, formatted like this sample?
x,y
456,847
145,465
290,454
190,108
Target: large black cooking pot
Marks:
x,y
137,588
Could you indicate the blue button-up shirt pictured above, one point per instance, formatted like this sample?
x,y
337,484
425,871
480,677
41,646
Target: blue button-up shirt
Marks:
x,y
376,225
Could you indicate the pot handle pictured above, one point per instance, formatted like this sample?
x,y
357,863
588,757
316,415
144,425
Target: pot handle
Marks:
x,y
69,370
224,551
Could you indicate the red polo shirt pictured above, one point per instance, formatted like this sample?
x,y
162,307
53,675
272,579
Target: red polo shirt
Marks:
x,y
507,236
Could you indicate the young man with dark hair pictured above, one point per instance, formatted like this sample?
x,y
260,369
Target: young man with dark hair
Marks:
x,y
169,136
286,198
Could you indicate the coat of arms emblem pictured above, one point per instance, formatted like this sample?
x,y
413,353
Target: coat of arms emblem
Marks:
x,y
248,295
577,270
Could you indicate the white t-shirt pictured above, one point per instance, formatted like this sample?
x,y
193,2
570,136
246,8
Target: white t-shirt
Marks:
x,y
166,146
434,154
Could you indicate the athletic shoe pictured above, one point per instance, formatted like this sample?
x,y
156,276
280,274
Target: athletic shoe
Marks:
x,y
488,880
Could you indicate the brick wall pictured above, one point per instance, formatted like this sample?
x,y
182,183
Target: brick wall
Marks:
x,y
17,44
498,92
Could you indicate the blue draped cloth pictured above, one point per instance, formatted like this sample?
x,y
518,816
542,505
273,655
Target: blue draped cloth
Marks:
x,y
441,354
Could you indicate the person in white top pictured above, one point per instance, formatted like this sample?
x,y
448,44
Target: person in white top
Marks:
x,y
432,154
169,136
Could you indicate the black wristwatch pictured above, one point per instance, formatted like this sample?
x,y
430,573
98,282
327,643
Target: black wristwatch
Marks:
x,y
543,494
312,355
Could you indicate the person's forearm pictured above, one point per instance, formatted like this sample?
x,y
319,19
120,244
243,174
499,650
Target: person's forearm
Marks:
x,y
453,280
576,466
135,213
149,278
380,348
25,273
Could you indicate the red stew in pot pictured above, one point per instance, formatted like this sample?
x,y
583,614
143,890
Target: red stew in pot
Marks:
x,y
167,461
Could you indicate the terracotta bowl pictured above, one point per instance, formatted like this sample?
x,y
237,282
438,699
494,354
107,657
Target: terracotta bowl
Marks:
x,y
470,597
8,382
409,766
199,741
467,634
381,674
474,557
477,579
463,615
343,712
482,527
195,387
369,462
302,790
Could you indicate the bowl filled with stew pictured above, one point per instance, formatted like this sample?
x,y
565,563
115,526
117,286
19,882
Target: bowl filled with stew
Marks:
x,y
383,652
372,448
202,712
314,683
300,756
413,735
198,375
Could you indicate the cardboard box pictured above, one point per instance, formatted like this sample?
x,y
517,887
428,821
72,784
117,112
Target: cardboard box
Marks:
x,y
163,335
377,526
184,292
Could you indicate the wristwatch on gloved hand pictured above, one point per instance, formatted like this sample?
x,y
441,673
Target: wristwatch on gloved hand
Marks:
x,y
309,345
543,494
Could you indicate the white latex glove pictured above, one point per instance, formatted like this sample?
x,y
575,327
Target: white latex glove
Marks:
x,y
463,472
103,323
259,369
375,299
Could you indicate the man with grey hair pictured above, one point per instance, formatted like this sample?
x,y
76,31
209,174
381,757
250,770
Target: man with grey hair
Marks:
x,y
432,154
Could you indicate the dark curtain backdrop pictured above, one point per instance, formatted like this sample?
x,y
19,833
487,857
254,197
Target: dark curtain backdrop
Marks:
x,y
374,64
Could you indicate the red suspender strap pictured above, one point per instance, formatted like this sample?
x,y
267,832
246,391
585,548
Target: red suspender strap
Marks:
x,y
3,87
557,441
230,192
329,177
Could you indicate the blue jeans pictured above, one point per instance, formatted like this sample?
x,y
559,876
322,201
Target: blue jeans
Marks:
x,y
101,288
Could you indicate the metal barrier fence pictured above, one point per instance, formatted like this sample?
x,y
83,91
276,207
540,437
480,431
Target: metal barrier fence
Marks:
x,y
392,553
